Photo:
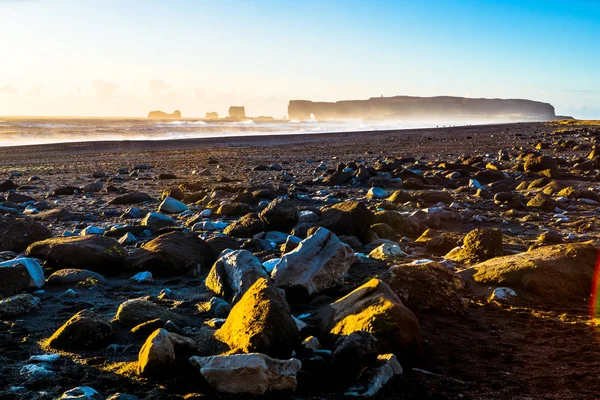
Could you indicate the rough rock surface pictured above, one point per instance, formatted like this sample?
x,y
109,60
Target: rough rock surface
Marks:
x,y
261,322
374,308
426,287
320,262
174,253
248,373
97,253
85,330
233,274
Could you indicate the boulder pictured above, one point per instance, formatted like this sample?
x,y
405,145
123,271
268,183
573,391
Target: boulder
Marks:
x,y
349,218
376,309
352,353
233,209
158,221
131,198
233,274
173,253
156,355
20,304
85,330
137,311
426,287
96,253
542,202
81,393
280,215
245,227
19,274
479,245
171,206
540,163
375,378
387,251
260,322
320,262
17,234
248,373
555,274
71,276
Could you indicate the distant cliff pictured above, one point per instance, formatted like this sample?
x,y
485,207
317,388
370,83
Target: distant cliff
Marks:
x,y
163,115
424,108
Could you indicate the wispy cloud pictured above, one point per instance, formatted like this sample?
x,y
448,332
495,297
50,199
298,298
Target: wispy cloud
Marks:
x,y
104,89
8,91
158,87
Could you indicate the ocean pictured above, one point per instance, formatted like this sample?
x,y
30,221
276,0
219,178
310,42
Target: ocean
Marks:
x,y
27,131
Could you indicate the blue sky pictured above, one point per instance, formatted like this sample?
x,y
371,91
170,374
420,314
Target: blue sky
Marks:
x,y
125,57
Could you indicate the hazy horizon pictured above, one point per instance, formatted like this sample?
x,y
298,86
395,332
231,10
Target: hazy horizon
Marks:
x,y
124,59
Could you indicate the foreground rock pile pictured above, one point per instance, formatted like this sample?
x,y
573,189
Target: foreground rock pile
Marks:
x,y
311,277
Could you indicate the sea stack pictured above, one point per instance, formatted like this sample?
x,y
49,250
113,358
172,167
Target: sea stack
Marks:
x,y
237,112
163,115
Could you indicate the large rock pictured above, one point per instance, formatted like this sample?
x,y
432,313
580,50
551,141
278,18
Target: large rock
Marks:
x,y
248,373
158,220
261,322
555,274
20,304
96,253
172,206
233,274
426,287
350,218
280,215
18,274
174,253
156,355
320,262
85,330
375,308
70,276
540,163
245,227
479,245
17,234
131,198
137,311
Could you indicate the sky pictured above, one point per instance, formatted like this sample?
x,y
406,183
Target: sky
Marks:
x,y
128,57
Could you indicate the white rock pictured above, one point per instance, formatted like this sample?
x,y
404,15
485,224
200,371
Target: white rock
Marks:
x,y
377,377
172,206
502,294
422,261
233,274
206,213
157,219
37,372
320,262
308,216
31,210
33,267
45,358
269,265
588,201
128,238
474,183
276,237
81,393
252,373
156,354
142,277
92,230
387,251
377,193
